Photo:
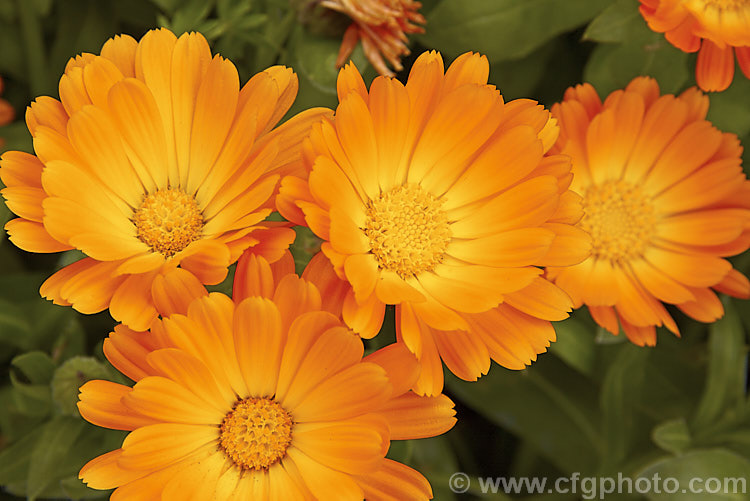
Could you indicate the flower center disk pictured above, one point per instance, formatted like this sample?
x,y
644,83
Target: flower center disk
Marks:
x,y
408,231
620,220
168,220
256,434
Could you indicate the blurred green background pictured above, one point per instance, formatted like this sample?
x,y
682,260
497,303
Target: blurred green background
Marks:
x,y
595,404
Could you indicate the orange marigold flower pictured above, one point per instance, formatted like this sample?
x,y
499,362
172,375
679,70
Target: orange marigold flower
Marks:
x,y
153,158
382,26
265,398
436,197
665,199
718,28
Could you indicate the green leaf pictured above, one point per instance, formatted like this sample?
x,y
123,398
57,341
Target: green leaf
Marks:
x,y
615,23
71,340
725,382
83,26
190,16
35,50
12,62
518,78
35,367
575,345
613,66
672,436
167,5
621,391
554,415
30,375
70,376
15,329
14,459
696,470
730,110
32,399
435,459
503,29
48,458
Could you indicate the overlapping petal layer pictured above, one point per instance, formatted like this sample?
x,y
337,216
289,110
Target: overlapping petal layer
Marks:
x,y
718,29
267,397
153,158
666,201
436,197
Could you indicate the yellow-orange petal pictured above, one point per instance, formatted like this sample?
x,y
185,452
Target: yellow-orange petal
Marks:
x,y
174,290
164,400
714,70
518,151
541,299
158,445
33,237
328,401
364,318
189,372
353,446
413,416
349,80
399,363
705,308
303,332
394,482
104,472
519,247
87,284
127,349
132,302
734,284
335,350
259,353
320,479
101,404
417,336
464,353
121,50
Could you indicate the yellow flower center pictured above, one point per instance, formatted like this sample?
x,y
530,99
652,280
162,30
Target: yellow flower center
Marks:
x,y
620,219
408,231
256,434
168,220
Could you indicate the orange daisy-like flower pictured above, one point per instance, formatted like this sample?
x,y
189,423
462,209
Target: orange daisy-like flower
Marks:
x,y
718,28
153,158
382,26
665,199
263,398
436,197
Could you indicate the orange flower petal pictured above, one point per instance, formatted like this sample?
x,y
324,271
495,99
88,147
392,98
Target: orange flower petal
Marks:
x,y
714,70
412,416
465,354
394,482
101,404
258,341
